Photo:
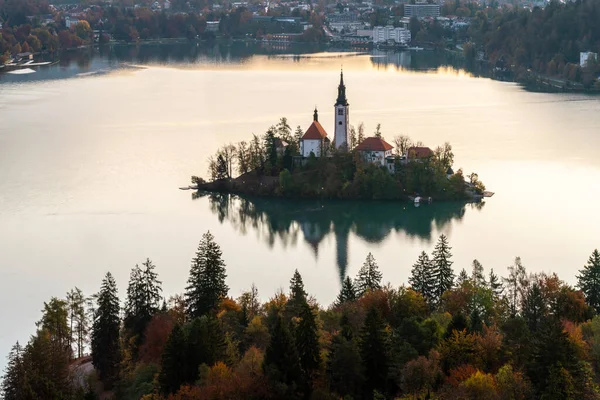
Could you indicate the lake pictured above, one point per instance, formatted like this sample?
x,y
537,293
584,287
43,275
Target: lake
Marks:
x,y
93,150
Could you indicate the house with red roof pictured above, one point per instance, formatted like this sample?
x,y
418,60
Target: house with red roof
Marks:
x,y
315,140
418,153
377,151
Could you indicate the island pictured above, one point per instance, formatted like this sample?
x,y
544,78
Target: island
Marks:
x,y
308,164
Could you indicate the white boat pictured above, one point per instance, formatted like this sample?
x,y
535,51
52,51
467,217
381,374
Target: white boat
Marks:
x,y
22,71
417,200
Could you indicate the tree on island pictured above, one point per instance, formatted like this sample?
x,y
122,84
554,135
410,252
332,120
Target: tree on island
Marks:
x,y
588,281
105,332
347,293
422,279
206,284
442,267
369,277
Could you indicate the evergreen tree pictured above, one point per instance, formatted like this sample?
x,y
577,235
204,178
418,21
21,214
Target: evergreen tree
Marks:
x,y
442,267
534,307
589,281
205,345
462,278
271,149
297,295
173,362
281,362
143,300
298,135
307,343
477,274
422,279
13,381
344,366
374,352
348,292
206,284
105,332
369,277
495,285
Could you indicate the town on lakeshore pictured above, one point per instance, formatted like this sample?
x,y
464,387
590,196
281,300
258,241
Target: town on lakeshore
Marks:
x,y
349,165
474,35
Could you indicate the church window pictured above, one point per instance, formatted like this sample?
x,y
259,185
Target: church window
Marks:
x,y
339,123
340,111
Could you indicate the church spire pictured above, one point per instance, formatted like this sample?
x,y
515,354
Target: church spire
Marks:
x,y
316,115
341,99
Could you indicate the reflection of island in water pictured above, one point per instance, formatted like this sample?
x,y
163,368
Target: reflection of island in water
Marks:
x,y
315,220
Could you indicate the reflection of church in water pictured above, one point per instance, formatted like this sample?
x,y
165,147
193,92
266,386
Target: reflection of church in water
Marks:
x,y
313,222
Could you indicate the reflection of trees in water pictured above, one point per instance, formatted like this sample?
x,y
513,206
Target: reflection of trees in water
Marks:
x,y
287,220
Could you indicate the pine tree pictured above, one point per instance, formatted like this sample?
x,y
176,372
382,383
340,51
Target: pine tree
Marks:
x,y
206,284
589,281
422,279
495,285
369,277
281,362
271,149
13,381
374,352
105,332
347,293
442,267
54,322
344,366
307,343
298,135
173,362
297,295
477,274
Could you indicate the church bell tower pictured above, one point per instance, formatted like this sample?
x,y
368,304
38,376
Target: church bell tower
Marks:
x,y
341,117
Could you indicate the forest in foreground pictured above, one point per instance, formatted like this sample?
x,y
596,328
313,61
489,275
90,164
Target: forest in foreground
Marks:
x,y
442,336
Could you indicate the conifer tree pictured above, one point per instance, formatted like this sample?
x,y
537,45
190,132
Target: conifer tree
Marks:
x,y
442,267
462,278
307,343
344,366
281,362
205,345
206,284
297,295
105,332
347,293
13,381
422,279
588,281
298,135
54,322
534,307
369,277
495,285
173,362
477,274
143,299
374,352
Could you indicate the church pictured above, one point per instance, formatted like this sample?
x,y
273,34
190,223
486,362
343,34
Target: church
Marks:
x,y
315,140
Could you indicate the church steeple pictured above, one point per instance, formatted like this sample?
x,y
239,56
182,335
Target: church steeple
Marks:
x,y
316,115
341,99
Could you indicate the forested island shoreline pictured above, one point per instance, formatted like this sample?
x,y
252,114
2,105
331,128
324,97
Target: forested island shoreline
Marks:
x,y
271,165
443,336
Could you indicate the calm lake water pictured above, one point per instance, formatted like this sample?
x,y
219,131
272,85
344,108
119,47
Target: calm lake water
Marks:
x,y
93,150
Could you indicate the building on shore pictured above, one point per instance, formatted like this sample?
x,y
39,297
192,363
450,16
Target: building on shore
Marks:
x,y
422,10
384,34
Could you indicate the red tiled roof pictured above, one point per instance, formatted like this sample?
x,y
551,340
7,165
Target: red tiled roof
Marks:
x,y
374,144
419,152
315,131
